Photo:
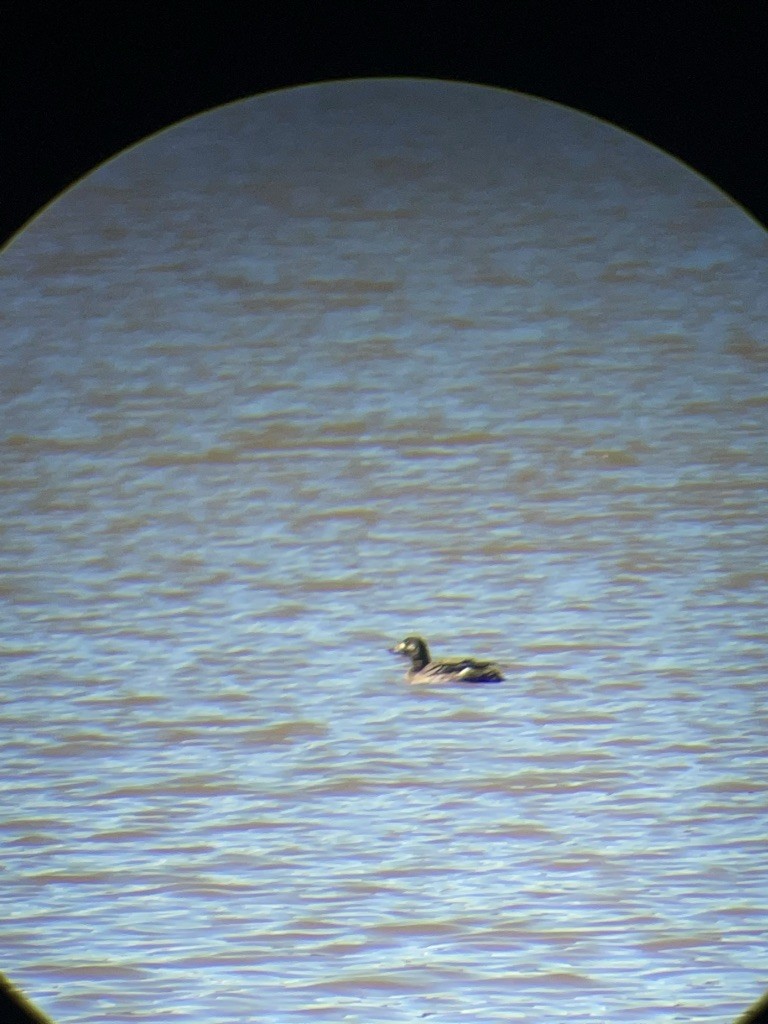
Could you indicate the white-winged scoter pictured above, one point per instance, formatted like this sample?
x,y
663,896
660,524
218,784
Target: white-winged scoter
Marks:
x,y
459,670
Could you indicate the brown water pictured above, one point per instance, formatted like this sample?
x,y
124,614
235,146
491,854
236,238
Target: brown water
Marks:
x,y
308,374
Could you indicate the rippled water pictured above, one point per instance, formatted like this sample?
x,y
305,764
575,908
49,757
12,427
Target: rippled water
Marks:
x,y
317,371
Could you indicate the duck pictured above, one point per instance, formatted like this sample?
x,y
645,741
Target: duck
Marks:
x,y
459,670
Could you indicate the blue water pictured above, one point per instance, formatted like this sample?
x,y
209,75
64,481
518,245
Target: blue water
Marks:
x,y
294,380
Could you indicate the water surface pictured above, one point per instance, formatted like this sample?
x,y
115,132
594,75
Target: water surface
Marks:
x,y
316,371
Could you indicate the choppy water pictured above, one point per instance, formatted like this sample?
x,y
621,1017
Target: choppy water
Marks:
x,y
311,373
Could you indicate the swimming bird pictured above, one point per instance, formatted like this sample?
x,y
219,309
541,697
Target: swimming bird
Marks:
x,y
459,670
